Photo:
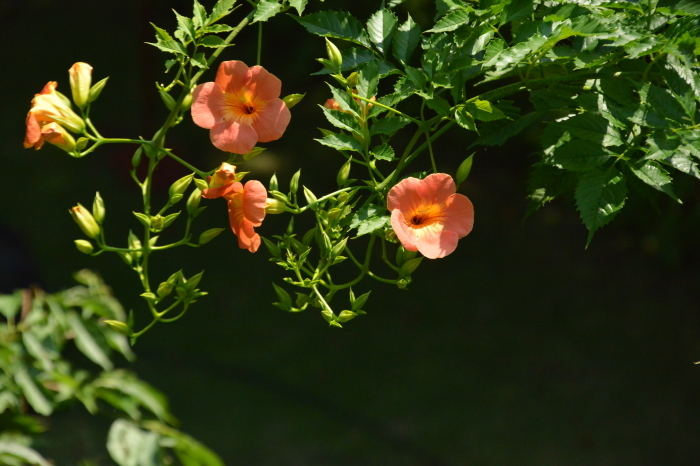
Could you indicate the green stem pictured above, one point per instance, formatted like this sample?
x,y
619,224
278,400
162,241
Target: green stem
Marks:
x,y
373,102
259,42
183,163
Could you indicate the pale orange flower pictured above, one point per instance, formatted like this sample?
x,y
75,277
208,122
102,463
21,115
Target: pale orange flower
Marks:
x,y
49,107
428,216
241,107
246,204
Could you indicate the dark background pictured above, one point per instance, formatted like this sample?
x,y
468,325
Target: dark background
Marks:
x,y
522,347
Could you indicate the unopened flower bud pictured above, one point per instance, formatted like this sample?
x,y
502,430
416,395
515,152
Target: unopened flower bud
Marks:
x,y
167,99
274,206
344,316
180,186
157,223
464,168
273,186
97,89
334,54
98,208
294,182
292,99
164,289
83,246
186,102
193,202
118,326
353,79
343,173
85,221
80,79
209,235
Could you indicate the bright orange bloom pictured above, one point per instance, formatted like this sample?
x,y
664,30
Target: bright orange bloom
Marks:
x,y
49,106
241,107
246,204
428,216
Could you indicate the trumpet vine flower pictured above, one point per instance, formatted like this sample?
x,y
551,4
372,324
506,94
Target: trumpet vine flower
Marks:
x,y
241,107
49,106
428,216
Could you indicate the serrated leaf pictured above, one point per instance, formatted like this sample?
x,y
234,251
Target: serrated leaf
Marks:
x,y
373,223
592,128
341,142
465,119
503,133
388,125
199,61
684,164
338,24
266,9
644,46
579,155
199,15
368,80
663,101
218,28
185,25
652,174
406,38
545,184
439,105
221,9
161,34
516,9
451,21
383,152
299,5
342,120
381,27
169,46
213,42
600,195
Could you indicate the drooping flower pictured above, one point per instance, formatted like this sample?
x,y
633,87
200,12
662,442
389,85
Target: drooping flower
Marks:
x,y
246,210
222,181
49,106
241,107
428,216
58,136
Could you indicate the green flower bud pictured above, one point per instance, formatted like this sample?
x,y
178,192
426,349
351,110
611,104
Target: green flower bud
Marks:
x,y
334,54
292,99
186,102
118,326
96,89
352,80
464,168
136,158
344,173
294,182
98,208
180,186
167,99
209,235
83,246
164,289
273,183
193,202
85,221
344,316
80,77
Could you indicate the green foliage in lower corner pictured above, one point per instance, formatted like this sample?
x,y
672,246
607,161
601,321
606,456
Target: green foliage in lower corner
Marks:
x,y
37,380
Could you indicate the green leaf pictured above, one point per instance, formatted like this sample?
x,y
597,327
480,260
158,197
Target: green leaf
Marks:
x,y
342,120
655,176
644,46
285,301
341,142
503,133
591,127
373,223
368,80
483,110
685,164
213,42
161,34
199,15
217,28
439,105
381,27
600,194
221,9
189,451
663,101
383,152
23,453
516,9
169,46
406,38
338,24
199,61
546,183
299,5
185,25
10,304
142,392
35,397
578,154
346,101
266,9
95,350
465,119
451,21
388,125
130,446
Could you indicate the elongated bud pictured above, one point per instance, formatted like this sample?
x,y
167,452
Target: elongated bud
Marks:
x,y
274,206
85,221
186,102
118,326
273,183
97,89
193,202
164,289
464,169
98,209
309,195
294,183
209,235
343,173
80,79
83,246
292,99
180,186
344,316
136,158
58,136
134,244
290,227
334,54
352,80
167,99
409,267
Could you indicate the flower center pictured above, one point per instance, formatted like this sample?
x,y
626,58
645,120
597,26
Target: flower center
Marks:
x,y
241,106
425,215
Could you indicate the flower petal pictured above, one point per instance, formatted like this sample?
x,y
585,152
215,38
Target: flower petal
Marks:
x,y
232,136
243,229
33,135
207,105
272,120
263,84
458,215
435,242
232,75
436,188
404,196
254,202
405,233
